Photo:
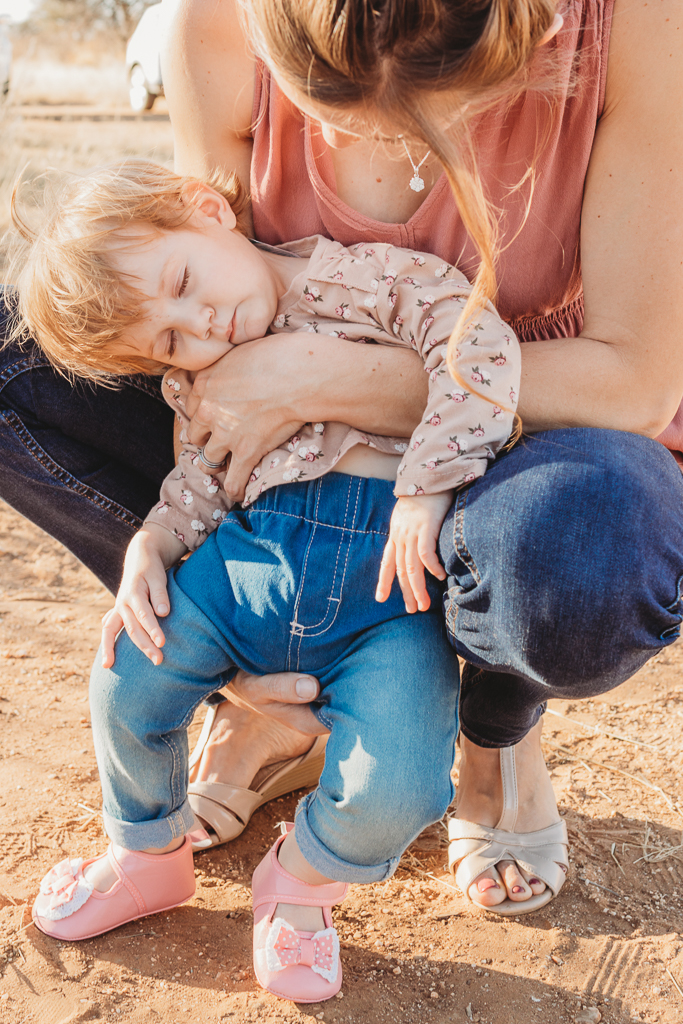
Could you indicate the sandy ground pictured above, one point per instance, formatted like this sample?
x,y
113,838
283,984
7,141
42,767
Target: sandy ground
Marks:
x,y
609,948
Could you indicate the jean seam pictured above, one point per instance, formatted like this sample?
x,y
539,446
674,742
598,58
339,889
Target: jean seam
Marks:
x,y
63,476
315,522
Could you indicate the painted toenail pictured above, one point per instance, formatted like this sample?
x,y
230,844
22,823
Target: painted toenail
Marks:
x,y
534,881
487,883
518,888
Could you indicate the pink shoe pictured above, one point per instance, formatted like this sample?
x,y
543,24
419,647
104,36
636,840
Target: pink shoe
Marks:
x,y
69,908
302,966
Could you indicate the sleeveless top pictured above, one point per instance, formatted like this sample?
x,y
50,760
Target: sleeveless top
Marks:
x,y
539,270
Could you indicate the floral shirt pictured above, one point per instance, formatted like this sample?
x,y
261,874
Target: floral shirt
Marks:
x,y
372,294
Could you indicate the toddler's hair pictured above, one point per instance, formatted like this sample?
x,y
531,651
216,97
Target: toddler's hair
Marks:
x,y
70,297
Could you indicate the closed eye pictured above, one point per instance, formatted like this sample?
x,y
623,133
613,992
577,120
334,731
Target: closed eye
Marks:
x,y
172,345
186,278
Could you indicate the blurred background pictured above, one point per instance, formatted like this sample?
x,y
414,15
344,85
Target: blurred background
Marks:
x,y
79,85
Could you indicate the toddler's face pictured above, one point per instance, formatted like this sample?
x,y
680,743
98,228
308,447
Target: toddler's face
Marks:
x,y
208,288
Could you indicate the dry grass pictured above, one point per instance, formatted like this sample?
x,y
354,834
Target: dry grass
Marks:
x,y
32,144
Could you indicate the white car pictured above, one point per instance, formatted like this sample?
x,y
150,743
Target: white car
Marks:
x,y
143,59
5,62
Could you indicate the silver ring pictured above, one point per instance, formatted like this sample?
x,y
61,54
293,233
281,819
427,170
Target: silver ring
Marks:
x,y
206,462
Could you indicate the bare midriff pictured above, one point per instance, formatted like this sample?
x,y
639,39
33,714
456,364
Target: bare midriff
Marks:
x,y
364,461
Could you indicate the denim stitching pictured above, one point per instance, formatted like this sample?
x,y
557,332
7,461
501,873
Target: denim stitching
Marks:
x,y
671,632
459,535
64,477
341,586
330,526
315,625
33,362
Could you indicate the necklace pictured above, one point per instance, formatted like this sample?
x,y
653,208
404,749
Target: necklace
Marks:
x,y
416,182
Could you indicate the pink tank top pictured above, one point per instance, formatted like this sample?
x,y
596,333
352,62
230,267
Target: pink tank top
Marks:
x,y
539,273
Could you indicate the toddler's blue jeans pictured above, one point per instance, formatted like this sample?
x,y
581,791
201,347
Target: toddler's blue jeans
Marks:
x,y
289,584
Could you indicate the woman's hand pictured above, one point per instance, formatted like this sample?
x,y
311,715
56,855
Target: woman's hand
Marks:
x,y
411,548
143,594
258,395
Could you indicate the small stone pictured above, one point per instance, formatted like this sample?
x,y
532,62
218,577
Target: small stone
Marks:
x,y
433,995
396,970
339,995
591,1015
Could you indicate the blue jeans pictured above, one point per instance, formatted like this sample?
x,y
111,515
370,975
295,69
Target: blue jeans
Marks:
x,y
565,564
71,459
289,584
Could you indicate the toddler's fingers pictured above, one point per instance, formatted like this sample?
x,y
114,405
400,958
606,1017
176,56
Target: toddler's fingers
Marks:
x,y
140,637
112,624
387,571
158,596
142,611
416,575
426,550
403,571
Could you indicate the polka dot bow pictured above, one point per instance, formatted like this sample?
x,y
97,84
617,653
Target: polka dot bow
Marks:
x,y
286,948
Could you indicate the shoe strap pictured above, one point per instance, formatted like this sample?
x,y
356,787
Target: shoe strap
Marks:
x,y
277,886
508,774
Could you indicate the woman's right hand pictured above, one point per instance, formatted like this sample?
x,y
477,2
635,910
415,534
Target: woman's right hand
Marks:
x,y
143,594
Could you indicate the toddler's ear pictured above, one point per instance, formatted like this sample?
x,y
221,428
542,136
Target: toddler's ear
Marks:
x,y
208,203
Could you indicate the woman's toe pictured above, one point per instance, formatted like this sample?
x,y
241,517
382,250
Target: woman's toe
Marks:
x,y
534,882
487,890
514,882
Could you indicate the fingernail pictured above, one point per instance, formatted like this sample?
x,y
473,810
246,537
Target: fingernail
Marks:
x,y
518,888
306,688
487,883
162,609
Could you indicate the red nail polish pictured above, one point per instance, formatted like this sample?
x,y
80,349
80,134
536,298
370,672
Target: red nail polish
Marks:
x,y
534,881
487,883
518,888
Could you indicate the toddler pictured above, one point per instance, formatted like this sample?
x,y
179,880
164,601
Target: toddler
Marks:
x,y
136,269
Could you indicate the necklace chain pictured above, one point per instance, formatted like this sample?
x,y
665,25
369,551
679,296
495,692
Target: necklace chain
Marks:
x,y
416,182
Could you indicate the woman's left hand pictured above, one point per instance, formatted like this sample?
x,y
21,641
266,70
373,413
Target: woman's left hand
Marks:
x,y
283,695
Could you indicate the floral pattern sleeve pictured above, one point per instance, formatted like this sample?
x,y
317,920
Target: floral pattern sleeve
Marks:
x,y
418,300
192,502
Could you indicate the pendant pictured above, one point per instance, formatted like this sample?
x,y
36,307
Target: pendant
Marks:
x,y
416,183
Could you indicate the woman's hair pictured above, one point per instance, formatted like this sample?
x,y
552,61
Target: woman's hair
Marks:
x,y
400,57
71,298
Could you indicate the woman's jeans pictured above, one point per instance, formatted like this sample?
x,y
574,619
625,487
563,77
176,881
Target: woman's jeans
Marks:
x,y
289,585
565,564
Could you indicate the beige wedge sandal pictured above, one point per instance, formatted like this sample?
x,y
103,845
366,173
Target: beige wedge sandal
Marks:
x,y
475,848
225,810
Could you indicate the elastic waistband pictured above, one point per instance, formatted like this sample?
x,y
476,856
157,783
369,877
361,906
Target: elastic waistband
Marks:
x,y
345,502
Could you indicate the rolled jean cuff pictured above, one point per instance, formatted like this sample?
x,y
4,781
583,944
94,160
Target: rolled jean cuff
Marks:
x,y
327,863
143,835
512,741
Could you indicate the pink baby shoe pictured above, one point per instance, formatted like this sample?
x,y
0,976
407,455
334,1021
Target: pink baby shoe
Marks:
x,y
302,966
69,908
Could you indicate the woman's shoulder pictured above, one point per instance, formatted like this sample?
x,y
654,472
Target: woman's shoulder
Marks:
x,y
209,73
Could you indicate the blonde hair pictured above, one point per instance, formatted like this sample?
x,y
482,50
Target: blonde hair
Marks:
x,y
400,57
70,297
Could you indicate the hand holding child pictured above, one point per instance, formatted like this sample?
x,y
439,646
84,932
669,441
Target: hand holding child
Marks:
x,y
143,594
411,548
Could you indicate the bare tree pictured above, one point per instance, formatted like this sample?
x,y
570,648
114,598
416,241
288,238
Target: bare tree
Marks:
x,y
92,16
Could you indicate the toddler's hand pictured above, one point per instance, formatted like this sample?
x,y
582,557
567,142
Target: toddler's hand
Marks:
x,y
411,548
143,594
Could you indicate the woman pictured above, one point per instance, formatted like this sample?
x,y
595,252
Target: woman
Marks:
x,y
565,561
538,552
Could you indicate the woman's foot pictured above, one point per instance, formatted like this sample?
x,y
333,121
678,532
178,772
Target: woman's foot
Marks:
x,y
243,742
480,799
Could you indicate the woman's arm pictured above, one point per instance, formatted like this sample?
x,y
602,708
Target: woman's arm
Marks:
x,y
626,370
259,394
208,75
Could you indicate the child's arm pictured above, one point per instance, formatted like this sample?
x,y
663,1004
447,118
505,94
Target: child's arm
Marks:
x,y
142,594
466,422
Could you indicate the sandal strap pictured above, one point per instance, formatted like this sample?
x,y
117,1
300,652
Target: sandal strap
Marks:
x,y
474,849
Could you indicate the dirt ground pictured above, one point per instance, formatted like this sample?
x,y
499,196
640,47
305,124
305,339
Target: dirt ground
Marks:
x,y
609,948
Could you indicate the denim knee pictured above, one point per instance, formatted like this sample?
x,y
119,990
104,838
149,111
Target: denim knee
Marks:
x,y
566,559
361,836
